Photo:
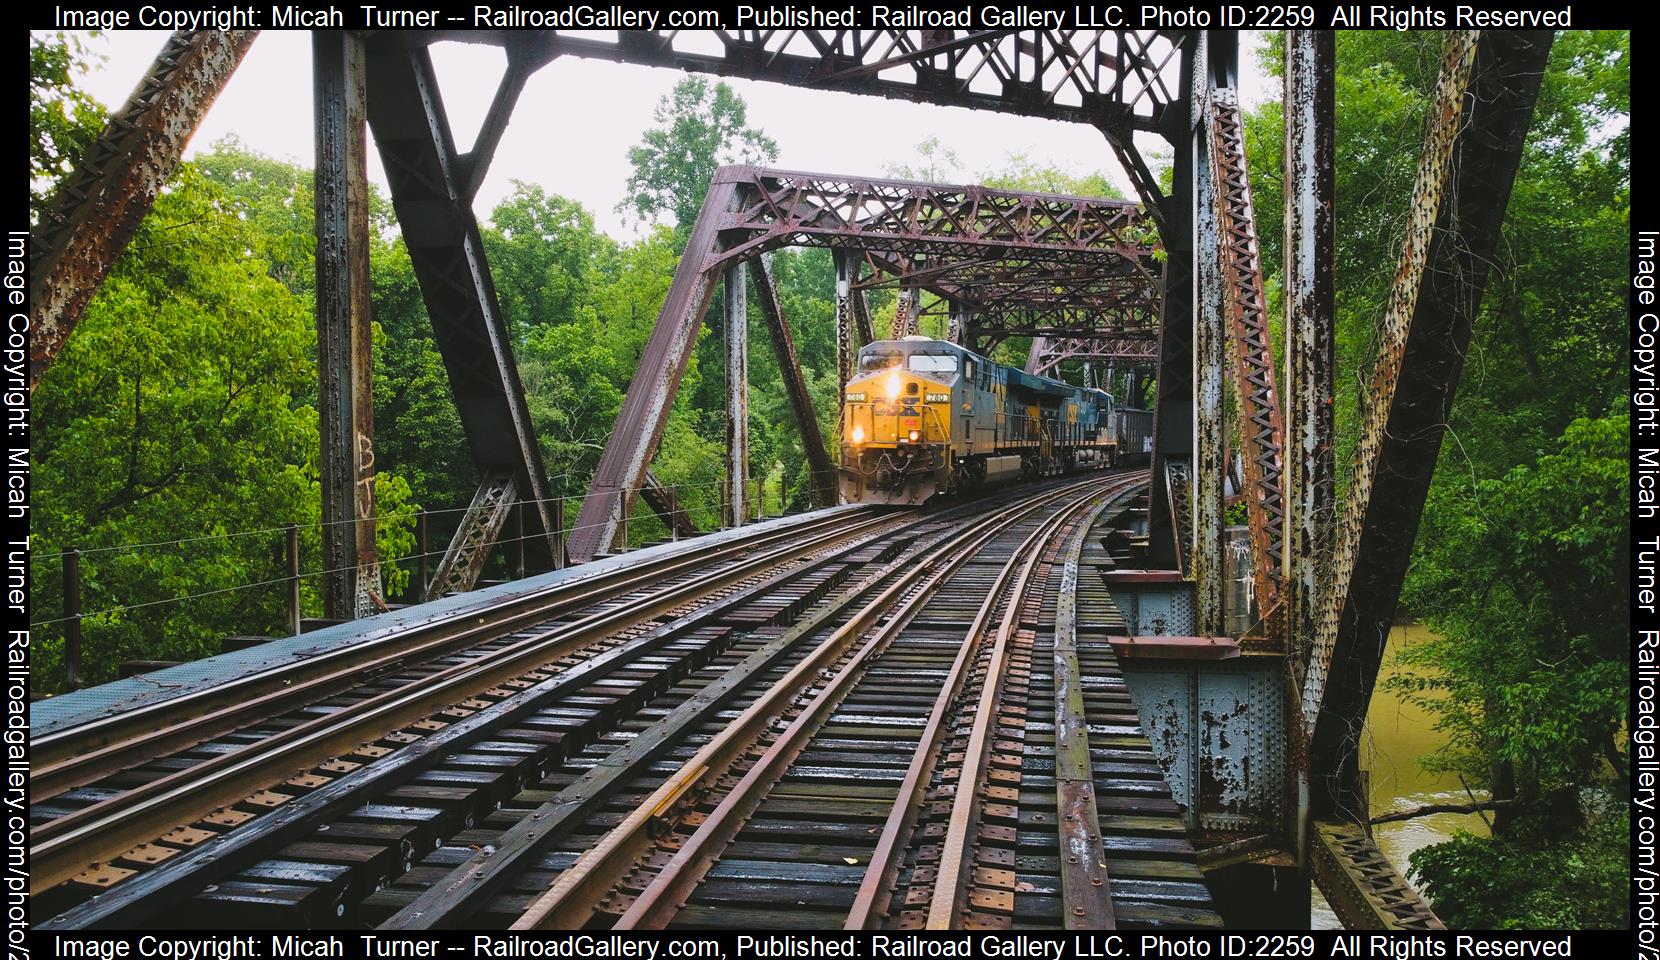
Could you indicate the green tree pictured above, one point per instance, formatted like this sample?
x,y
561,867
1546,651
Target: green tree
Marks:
x,y
931,162
546,257
188,390
700,125
63,119
1524,540
1021,172
176,397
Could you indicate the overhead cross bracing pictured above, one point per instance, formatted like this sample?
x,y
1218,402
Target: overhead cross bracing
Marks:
x,y
1008,260
1123,78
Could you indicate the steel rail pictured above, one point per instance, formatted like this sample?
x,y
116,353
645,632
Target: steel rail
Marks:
x,y
572,900
81,754
168,884
657,903
955,866
1086,891
59,848
454,898
874,896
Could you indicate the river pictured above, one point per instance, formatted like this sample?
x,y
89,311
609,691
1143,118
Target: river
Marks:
x,y
1397,735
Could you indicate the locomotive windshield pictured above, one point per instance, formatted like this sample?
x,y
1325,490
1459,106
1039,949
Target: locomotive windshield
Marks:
x,y
871,362
932,363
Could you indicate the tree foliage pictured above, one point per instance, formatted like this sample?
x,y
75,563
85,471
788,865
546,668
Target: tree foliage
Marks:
x,y
63,119
1523,549
180,395
700,125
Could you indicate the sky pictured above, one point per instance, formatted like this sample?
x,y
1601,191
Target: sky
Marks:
x,y
578,117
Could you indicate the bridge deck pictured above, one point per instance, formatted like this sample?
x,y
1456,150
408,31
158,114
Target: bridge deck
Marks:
x,y
69,710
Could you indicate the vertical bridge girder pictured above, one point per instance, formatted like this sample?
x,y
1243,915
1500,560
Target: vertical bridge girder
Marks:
x,y
737,393
1480,115
346,410
431,192
1246,310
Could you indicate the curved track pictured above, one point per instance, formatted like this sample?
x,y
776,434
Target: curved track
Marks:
x,y
824,726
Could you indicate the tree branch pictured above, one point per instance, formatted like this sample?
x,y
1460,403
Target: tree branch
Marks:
x,y
1429,808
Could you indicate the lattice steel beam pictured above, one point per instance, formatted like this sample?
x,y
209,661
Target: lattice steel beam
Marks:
x,y
1119,77
1479,119
1047,354
464,559
1363,888
96,210
1245,305
782,208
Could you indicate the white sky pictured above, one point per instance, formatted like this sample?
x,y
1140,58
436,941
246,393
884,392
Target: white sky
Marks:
x,y
578,117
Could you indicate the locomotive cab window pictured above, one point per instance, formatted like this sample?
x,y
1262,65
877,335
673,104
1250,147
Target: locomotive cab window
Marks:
x,y
931,363
871,362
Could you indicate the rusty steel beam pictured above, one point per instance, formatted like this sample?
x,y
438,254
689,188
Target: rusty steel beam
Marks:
x,y
1363,888
662,500
645,409
1167,524
1139,349
95,211
956,327
787,207
846,350
1310,324
864,324
905,313
1246,308
425,172
351,571
737,392
1125,78
1479,119
463,561
1210,343
821,470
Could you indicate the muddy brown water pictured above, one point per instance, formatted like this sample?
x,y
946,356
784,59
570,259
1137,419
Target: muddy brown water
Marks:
x,y
1397,735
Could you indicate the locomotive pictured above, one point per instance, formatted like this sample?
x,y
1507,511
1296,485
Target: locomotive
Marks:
x,y
922,417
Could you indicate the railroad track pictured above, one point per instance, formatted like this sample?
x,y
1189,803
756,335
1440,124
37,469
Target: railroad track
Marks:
x,y
154,771
783,742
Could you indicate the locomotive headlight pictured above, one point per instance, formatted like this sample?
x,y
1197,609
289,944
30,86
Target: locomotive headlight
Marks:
x,y
858,434
893,386
916,435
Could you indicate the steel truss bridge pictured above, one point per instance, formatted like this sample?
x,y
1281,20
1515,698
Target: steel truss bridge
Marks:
x,y
1098,591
